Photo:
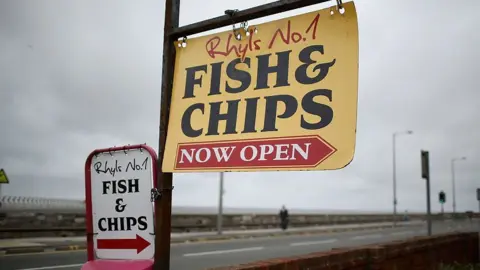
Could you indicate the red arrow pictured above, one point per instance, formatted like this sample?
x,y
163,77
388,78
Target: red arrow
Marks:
x,y
138,243
318,151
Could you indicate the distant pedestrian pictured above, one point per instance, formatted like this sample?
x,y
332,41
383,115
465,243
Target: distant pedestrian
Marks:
x,y
283,218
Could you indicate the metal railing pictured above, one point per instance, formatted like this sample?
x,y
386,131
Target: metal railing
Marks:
x,y
13,204
9,204
18,204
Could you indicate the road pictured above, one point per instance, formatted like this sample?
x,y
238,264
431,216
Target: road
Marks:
x,y
194,256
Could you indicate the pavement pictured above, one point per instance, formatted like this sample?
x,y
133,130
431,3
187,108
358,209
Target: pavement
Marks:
x,y
207,254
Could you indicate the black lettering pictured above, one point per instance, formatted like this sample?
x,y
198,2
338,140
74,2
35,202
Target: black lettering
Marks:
x,y
122,223
112,224
97,167
105,186
250,115
215,80
325,112
271,107
142,223
133,185
187,128
145,163
134,166
107,169
281,69
230,117
191,81
119,205
101,224
121,186
131,222
114,187
238,75
305,56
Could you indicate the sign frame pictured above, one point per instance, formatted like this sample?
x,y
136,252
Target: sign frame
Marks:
x,y
89,219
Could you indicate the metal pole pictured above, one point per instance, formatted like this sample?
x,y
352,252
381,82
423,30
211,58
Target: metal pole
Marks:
x,y
394,183
249,14
429,212
163,205
220,206
453,186
394,176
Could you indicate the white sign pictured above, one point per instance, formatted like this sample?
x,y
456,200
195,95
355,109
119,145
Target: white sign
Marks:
x,y
122,213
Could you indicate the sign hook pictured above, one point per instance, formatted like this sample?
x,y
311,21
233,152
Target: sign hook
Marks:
x,y
156,194
231,13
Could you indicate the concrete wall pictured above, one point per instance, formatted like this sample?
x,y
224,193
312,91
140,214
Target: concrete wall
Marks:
x,y
32,225
415,253
28,216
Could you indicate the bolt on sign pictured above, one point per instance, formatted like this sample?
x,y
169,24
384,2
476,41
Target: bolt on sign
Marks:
x,y
284,97
120,219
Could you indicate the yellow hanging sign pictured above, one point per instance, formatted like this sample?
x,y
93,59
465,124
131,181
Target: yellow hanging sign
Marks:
x,y
284,97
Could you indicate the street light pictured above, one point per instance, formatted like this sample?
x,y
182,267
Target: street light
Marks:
x,y
408,132
453,182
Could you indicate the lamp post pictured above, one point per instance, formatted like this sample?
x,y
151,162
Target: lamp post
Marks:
x,y
408,132
220,205
454,203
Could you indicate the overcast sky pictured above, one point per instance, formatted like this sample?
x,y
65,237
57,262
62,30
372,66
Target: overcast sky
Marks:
x,y
79,75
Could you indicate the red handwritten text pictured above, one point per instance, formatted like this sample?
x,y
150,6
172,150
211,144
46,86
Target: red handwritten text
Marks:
x,y
295,36
214,46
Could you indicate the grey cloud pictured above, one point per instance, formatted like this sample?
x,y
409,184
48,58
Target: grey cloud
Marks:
x,y
80,75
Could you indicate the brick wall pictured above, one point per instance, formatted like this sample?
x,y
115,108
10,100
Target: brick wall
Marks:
x,y
420,253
